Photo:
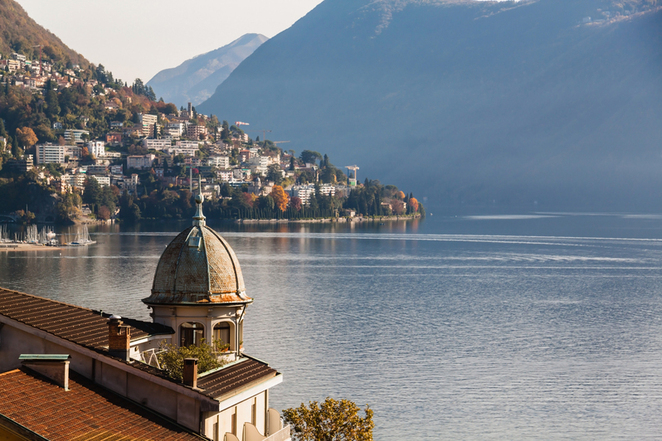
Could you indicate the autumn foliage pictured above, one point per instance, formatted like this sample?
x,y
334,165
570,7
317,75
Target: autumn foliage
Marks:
x,y
26,136
280,197
413,203
330,420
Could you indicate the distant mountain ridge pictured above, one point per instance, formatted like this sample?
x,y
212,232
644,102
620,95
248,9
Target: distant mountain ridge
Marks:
x,y
548,103
196,79
20,33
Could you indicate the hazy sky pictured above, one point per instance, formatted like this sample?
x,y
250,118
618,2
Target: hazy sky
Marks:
x,y
138,38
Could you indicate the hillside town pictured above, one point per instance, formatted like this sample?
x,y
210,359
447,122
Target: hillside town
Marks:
x,y
82,134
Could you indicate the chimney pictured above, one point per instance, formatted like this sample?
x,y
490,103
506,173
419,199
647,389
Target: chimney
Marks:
x,y
52,366
119,338
191,372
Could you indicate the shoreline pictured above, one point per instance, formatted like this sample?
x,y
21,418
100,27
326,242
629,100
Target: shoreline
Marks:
x,y
14,247
329,220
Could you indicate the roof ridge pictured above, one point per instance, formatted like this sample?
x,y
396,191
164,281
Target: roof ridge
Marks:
x,y
9,372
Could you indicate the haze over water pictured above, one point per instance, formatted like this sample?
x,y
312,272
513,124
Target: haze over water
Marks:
x,y
543,326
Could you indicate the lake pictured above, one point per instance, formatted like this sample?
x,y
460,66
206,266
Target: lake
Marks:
x,y
535,326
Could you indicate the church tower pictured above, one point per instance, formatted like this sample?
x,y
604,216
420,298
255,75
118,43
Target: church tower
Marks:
x,y
198,288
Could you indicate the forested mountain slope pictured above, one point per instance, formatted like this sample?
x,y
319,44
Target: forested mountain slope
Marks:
x,y
547,104
20,33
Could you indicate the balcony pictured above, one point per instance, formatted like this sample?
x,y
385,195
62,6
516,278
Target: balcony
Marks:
x,y
252,434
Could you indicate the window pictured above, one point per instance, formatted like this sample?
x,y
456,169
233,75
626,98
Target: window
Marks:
x,y
234,422
191,334
222,333
254,413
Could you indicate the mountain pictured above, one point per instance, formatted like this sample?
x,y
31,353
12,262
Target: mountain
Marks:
x,y
541,104
196,79
20,33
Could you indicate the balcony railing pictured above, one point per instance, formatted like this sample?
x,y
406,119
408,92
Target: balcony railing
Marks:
x,y
251,433
282,435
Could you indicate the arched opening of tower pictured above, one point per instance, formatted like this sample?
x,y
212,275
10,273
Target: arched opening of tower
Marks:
x,y
191,334
222,333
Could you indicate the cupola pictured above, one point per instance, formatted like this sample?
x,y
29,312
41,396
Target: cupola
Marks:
x,y
198,288
198,267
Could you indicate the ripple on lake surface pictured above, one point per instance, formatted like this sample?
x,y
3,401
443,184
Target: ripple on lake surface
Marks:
x,y
446,336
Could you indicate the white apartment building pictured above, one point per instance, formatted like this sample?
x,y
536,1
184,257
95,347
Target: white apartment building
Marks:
x,y
103,181
140,161
157,144
186,148
77,180
219,161
328,189
147,121
75,136
260,161
96,148
241,173
225,175
175,129
50,153
303,192
259,170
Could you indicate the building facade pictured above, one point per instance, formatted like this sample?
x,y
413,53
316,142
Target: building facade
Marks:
x,y
50,153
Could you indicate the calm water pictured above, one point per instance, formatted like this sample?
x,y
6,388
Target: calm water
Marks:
x,y
467,327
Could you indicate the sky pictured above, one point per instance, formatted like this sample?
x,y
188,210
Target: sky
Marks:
x,y
139,38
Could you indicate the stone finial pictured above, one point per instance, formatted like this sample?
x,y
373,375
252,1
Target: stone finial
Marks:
x,y
199,218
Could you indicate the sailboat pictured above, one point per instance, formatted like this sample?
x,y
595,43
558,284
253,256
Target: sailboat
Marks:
x,y
82,238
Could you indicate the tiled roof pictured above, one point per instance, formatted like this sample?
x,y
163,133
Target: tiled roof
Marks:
x,y
85,412
234,377
89,328
79,325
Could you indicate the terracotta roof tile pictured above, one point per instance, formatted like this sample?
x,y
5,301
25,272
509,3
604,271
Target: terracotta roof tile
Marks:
x,y
85,412
237,376
79,325
89,328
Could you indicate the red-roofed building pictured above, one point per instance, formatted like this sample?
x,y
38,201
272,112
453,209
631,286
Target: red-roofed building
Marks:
x,y
116,388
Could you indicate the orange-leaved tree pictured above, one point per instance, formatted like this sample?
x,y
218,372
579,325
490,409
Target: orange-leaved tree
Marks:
x,y
413,203
329,420
280,197
26,137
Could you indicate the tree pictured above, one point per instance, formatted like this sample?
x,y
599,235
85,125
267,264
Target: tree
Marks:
x,y
172,357
310,156
332,420
103,213
266,203
274,174
295,203
26,136
413,204
92,193
280,197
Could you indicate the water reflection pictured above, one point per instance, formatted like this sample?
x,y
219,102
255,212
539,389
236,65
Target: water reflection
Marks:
x,y
508,328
